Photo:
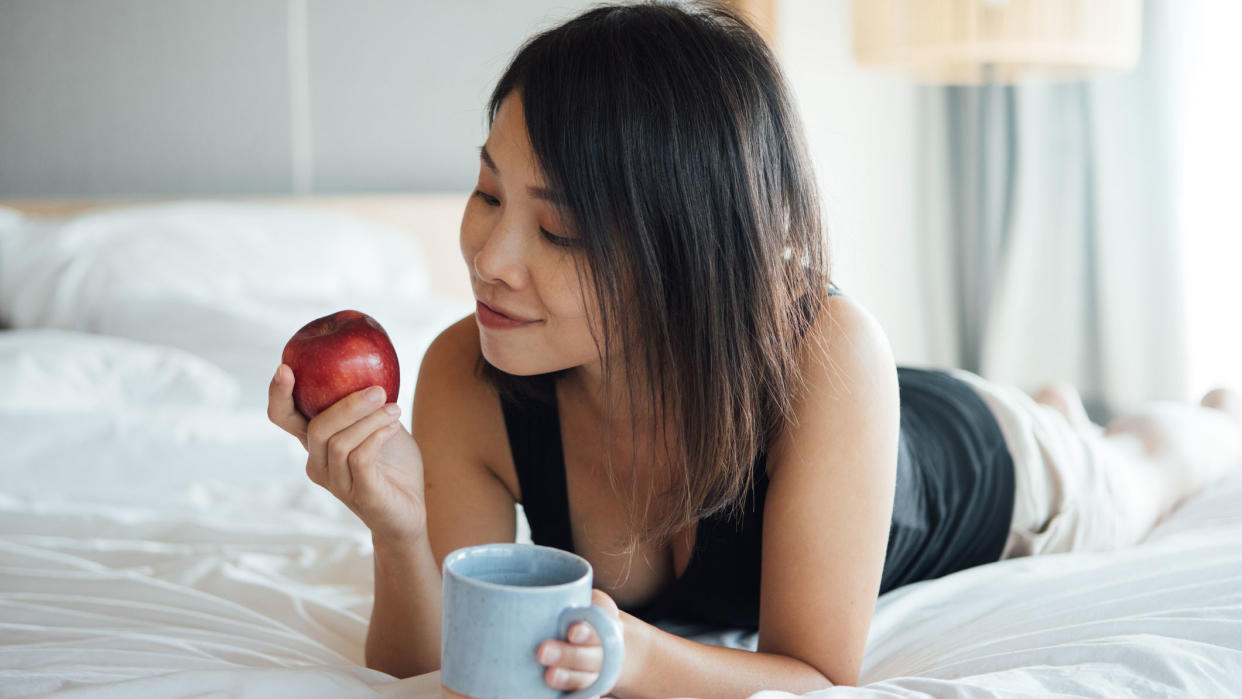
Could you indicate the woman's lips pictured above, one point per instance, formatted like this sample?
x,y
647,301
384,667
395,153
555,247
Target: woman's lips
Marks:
x,y
491,318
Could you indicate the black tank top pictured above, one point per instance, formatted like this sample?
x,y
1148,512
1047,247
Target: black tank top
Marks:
x,y
951,509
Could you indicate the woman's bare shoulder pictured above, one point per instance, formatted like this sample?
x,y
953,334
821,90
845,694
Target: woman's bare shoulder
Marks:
x,y
845,358
448,365
468,407
845,325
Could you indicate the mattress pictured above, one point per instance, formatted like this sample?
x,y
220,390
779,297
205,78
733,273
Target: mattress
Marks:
x,y
159,537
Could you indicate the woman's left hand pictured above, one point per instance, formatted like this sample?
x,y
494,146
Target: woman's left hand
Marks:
x,y
575,664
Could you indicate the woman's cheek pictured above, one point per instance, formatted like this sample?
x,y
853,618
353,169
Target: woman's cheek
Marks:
x,y
562,294
469,237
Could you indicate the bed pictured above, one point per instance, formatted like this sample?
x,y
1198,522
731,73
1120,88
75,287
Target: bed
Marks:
x,y
159,538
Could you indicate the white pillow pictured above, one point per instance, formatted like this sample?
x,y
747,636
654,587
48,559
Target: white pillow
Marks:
x,y
228,258
248,342
55,371
10,218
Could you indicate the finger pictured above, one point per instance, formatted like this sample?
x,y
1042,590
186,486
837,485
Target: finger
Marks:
x,y
572,657
362,460
280,408
316,474
337,417
569,680
342,445
600,598
583,633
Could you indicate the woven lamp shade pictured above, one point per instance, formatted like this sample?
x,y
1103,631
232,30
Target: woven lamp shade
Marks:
x,y
976,41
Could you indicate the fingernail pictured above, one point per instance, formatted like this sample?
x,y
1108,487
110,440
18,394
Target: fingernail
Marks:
x,y
551,654
276,376
578,634
392,409
559,676
375,394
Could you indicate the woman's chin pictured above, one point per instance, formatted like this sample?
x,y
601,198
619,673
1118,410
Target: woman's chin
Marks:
x,y
509,364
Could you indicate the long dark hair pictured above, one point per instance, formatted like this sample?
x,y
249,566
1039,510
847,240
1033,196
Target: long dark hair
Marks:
x,y
672,135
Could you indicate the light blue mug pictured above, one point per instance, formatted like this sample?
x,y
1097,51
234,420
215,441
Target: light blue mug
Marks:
x,y
500,602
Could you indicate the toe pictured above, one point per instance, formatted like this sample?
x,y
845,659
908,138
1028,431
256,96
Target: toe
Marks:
x,y
1222,399
1226,400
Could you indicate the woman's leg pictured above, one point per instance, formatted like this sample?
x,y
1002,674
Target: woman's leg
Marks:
x,y
1170,451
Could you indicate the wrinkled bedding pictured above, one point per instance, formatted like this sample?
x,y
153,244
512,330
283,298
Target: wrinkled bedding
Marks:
x,y
159,538
259,590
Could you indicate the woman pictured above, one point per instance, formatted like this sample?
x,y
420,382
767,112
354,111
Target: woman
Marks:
x,y
661,372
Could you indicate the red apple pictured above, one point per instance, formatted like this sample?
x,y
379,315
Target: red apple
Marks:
x,y
338,354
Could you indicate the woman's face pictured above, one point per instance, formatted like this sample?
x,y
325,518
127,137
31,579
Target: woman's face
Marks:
x,y
522,259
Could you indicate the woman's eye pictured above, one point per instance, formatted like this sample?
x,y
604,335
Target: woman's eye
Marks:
x,y
554,239
558,240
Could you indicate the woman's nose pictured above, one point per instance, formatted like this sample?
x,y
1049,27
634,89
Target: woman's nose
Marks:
x,y
501,257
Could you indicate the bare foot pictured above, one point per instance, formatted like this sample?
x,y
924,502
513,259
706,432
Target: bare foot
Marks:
x,y
1228,402
1063,396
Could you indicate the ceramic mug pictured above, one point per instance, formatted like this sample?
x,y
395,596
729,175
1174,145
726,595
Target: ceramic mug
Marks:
x,y
500,601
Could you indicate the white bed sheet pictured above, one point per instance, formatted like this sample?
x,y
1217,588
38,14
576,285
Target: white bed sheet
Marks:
x,y
164,547
260,590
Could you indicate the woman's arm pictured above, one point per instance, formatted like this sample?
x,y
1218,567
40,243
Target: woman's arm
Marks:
x,y
466,504
668,665
829,504
404,636
661,664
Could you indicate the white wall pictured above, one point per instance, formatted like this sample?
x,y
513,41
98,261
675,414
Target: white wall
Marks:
x,y
861,127
137,98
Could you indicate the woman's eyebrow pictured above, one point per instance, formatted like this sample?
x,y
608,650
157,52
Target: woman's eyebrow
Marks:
x,y
544,193
487,160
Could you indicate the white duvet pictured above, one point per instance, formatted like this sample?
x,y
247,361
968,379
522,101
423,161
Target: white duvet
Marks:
x,y
172,546
159,538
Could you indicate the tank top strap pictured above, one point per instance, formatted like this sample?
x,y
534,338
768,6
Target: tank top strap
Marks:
x,y
535,443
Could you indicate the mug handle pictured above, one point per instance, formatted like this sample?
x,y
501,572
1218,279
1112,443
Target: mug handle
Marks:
x,y
610,635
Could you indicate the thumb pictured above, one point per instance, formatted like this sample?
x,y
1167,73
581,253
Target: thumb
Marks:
x,y
602,599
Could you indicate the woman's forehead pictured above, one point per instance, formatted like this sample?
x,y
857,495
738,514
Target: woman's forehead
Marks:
x,y
508,152
508,136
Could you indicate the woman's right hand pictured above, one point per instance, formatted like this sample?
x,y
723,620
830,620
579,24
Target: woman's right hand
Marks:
x,y
359,451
